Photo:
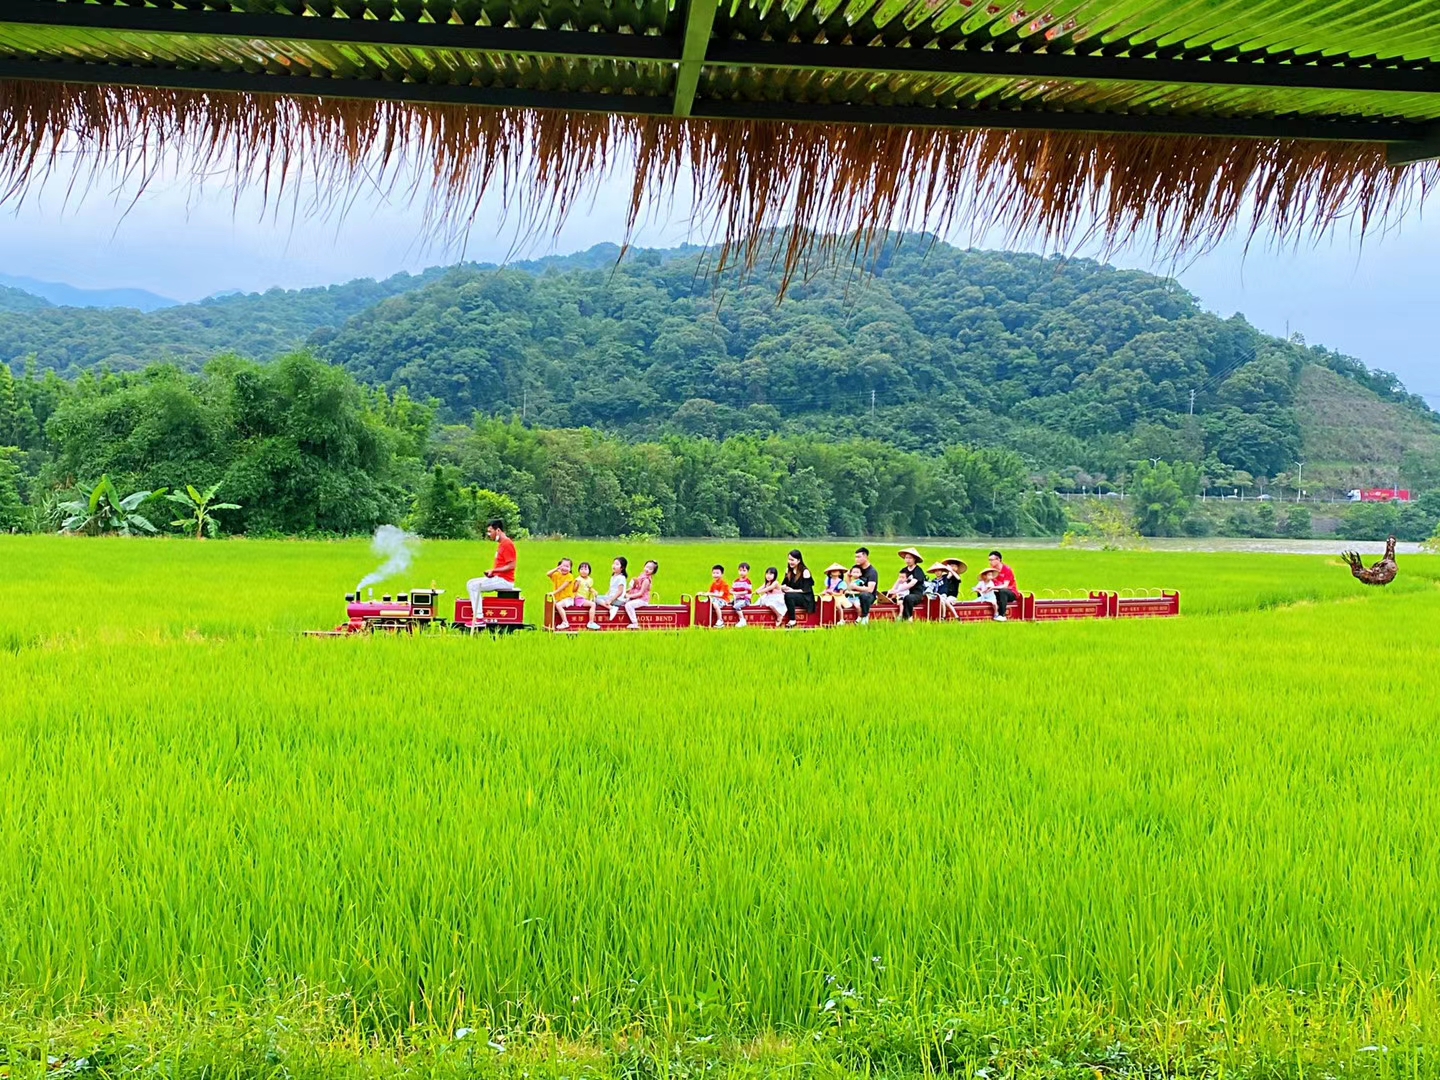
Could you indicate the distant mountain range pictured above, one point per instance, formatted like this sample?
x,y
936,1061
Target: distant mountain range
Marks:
x,y
62,295
1072,363
71,336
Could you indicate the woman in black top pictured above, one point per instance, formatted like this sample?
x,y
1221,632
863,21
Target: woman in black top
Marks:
x,y
914,575
798,587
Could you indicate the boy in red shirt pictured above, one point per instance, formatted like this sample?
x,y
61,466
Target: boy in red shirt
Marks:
x,y
742,592
719,596
501,577
1006,591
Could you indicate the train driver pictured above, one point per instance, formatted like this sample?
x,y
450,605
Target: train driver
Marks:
x,y
501,577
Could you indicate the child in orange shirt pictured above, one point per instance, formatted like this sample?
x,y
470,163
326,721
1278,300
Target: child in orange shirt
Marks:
x,y
719,596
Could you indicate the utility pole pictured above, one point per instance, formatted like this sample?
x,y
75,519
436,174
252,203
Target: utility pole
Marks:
x,y
1192,402
524,403
872,402
1299,478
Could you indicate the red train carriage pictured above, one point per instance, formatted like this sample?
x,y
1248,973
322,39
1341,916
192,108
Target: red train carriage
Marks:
x,y
1164,605
650,617
503,613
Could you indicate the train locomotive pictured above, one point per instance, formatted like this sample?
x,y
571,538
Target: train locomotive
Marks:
x,y
418,611
403,613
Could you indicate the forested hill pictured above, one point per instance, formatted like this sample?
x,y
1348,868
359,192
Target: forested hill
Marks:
x,y
1077,365
260,326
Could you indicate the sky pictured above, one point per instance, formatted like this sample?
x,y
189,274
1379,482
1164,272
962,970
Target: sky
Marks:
x,y
1377,300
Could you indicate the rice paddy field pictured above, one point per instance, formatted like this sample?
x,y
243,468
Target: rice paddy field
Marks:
x,y
1193,847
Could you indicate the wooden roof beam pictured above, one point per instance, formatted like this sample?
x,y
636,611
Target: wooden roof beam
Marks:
x,y
1426,148
1289,127
1411,79
1314,128
699,21
698,48
308,28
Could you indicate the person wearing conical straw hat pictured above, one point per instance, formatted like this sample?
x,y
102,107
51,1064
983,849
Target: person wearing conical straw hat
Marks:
x,y
834,591
909,590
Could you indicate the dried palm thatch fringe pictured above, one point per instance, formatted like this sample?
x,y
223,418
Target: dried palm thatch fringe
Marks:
x,y
838,188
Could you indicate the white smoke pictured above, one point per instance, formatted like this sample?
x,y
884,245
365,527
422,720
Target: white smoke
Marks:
x,y
396,547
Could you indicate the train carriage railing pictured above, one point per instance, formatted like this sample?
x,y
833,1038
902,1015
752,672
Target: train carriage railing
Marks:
x,y
650,617
1164,605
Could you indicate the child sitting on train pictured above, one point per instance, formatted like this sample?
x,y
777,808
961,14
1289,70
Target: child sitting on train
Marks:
x,y
771,594
615,594
741,592
834,580
945,586
901,586
562,589
935,584
638,594
720,595
849,595
985,589
583,597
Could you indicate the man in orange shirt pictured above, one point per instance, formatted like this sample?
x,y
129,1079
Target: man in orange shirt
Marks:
x,y
501,577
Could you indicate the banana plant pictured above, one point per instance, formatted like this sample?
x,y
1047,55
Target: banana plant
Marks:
x,y
101,509
201,507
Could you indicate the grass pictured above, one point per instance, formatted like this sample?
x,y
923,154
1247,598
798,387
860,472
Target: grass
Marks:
x,y
1189,846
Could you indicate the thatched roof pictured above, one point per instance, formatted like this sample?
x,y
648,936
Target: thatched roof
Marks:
x,y
1177,119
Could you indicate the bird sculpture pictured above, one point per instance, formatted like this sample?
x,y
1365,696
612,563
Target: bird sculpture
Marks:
x,y
1382,573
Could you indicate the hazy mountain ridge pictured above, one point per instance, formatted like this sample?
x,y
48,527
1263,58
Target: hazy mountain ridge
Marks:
x,y
62,295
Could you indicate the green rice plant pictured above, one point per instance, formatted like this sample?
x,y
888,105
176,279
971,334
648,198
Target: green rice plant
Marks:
x,y
1044,836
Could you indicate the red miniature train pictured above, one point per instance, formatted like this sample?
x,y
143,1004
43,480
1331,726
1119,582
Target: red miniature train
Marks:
x,y
698,612
418,610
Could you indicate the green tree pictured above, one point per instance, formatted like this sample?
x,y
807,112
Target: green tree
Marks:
x,y
1161,498
1298,524
12,508
440,510
200,508
487,506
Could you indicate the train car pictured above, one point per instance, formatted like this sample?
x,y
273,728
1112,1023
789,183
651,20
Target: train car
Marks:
x,y
1163,603
828,613
650,617
504,613
1096,605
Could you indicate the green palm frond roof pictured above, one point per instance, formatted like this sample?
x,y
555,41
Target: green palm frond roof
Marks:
x,y
1175,121
1315,69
